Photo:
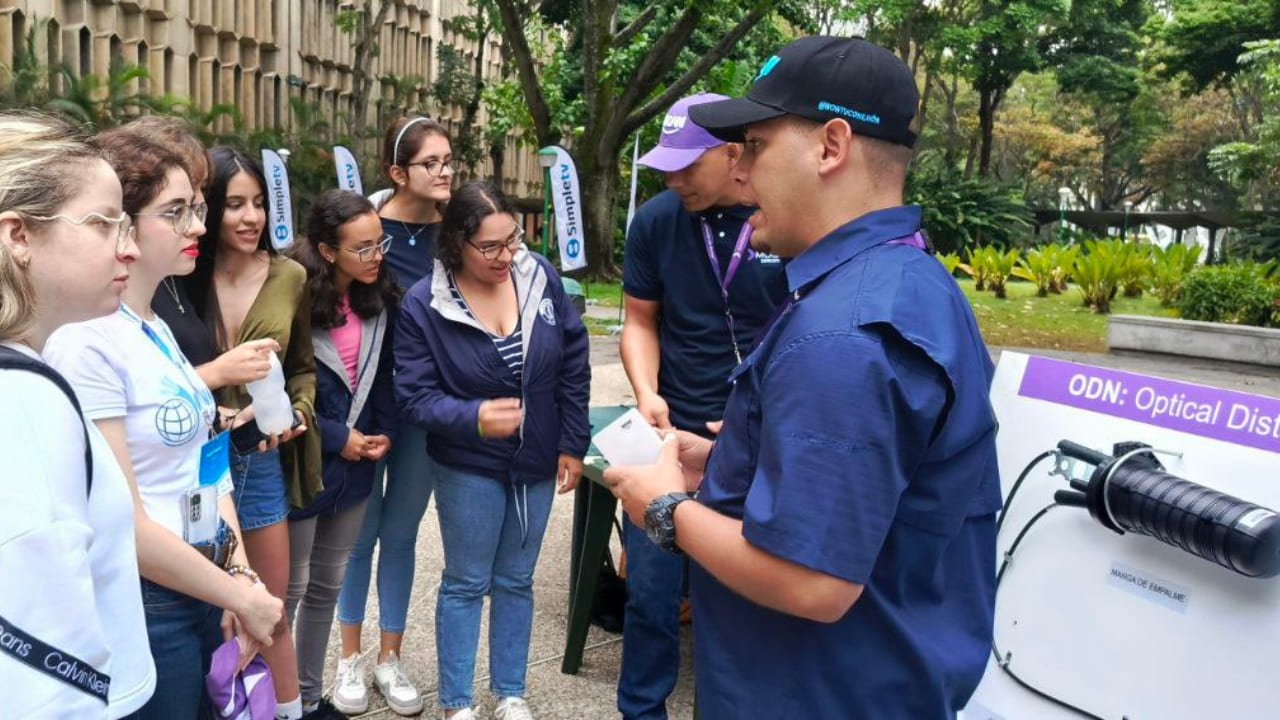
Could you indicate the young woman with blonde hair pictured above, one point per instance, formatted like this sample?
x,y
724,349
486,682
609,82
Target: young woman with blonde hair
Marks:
x,y
67,551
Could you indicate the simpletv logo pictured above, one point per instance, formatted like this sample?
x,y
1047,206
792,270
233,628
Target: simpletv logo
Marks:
x,y
277,197
573,247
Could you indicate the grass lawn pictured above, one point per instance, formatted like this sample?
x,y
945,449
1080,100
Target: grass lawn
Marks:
x,y
1057,322
605,294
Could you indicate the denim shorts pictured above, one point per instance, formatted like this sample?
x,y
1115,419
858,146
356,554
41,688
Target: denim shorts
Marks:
x,y
261,500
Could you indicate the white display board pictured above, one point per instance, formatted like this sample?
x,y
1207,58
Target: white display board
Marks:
x,y
1125,626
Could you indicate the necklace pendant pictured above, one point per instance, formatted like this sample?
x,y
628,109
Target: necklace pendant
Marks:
x,y
413,241
173,292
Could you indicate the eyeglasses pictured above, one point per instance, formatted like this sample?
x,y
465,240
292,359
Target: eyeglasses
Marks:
x,y
435,167
125,230
492,250
369,252
181,215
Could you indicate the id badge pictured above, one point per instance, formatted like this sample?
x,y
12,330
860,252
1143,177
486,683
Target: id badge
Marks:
x,y
200,514
215,462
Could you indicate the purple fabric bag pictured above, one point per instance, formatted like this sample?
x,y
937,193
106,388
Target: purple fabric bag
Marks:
x,y
249,695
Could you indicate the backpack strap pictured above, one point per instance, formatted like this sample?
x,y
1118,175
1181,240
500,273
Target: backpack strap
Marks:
x,y
11,359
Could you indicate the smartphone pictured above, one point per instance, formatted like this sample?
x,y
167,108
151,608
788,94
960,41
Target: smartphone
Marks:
x,y
200,514
245,438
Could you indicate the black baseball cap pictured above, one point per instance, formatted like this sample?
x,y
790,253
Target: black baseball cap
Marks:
x,y
824,78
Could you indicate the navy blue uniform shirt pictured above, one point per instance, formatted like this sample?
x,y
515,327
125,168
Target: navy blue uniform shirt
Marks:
x,y
666,261
859,442
413,249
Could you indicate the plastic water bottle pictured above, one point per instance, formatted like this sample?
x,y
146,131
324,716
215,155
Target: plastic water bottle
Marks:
x,y
271,407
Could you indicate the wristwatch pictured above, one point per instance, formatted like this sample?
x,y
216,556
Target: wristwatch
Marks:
x,y
660,520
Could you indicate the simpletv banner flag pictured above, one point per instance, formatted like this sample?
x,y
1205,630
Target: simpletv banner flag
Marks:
x,y
279,200
568,205
348,170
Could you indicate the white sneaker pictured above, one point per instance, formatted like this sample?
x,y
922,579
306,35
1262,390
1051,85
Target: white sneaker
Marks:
x,y
401,695
351,694
513,708
463,714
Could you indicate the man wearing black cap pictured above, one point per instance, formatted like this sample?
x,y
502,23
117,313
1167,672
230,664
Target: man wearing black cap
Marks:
x,y
843,535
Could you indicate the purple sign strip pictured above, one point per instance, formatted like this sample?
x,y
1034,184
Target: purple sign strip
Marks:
x,y
1234,417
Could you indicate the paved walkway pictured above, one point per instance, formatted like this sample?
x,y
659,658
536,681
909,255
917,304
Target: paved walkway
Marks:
x,y
591,694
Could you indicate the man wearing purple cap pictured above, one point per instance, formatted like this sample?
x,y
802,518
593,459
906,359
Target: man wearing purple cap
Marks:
x,y
696,296
842,539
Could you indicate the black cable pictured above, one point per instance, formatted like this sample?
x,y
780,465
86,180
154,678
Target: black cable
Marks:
x,y
1018,484
1002,661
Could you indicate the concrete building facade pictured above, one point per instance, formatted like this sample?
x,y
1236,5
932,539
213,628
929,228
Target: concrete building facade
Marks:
x,y
257,54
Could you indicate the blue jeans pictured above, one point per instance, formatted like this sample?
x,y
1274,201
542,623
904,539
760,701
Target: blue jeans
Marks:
x,y
486,552
651,628
392,519
261,500
183,633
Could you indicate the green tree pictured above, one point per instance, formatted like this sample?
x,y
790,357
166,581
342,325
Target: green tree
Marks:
x,y
362,22
461,82
1202,39
1251,163
1004,40
1201,42
631,71
1176,160
1095,52
1044,141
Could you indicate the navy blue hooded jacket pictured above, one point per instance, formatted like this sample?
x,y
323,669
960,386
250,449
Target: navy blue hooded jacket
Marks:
x,y
368,407
447,364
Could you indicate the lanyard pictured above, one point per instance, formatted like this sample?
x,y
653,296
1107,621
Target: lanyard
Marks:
x,y
178,362
723,280
740,247
916,240
202,394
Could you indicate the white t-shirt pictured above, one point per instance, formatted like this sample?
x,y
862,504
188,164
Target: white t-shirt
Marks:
x,y
68,567
119,370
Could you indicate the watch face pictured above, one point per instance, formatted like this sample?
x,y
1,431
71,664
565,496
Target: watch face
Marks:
x,y
655,535
653,521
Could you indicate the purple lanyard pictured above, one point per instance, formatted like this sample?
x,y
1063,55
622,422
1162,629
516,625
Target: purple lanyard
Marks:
x,y
915,240
739,248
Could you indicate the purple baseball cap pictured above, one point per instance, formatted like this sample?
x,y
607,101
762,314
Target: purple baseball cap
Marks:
x,y
682,141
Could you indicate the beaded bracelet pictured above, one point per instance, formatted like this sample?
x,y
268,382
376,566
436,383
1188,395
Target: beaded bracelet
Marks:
x,y
245,571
